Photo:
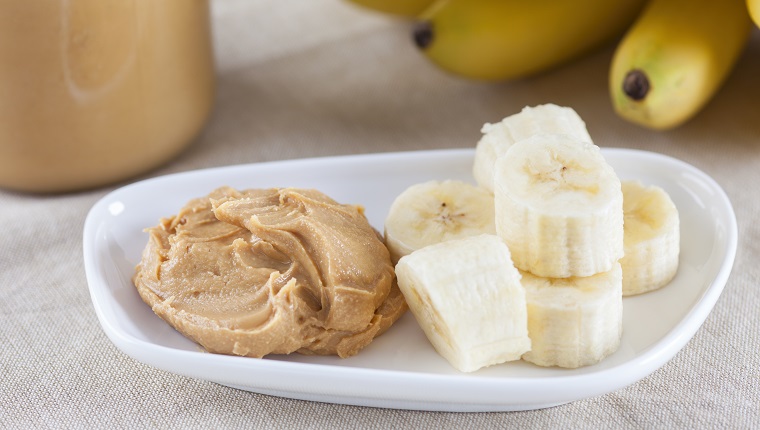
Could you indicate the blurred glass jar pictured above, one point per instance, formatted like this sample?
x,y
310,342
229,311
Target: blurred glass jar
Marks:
x,y
97,91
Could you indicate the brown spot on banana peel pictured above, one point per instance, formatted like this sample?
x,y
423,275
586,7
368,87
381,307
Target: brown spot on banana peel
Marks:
x,y
636,85
423,34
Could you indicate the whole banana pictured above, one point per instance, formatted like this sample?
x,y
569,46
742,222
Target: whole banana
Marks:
x,y
508,39
674,59
404,8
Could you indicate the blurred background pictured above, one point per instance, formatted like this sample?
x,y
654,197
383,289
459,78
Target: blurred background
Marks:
x,y
330,65
327,77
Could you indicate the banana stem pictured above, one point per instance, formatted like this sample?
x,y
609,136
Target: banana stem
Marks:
x,y
423,34
636,84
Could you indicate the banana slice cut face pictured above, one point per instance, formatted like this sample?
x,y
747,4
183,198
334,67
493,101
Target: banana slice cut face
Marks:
x,y
652,238
559,207
498,137
436,211
467,298
574,322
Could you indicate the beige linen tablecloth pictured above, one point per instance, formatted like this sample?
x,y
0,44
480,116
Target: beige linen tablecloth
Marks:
x,y
320,78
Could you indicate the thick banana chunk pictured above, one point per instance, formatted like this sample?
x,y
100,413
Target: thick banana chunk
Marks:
x,y
574,322
652,238
466,296
437,211
559,207
498,137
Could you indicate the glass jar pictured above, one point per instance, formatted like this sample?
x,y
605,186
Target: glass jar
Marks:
x,y
97,91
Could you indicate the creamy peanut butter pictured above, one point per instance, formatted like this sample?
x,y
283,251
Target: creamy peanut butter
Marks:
x,y
270,271
94,91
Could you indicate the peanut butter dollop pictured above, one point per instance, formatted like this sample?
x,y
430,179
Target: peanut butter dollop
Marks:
x,y
270,271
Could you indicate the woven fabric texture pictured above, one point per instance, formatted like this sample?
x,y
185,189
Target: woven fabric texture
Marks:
x,y
323,78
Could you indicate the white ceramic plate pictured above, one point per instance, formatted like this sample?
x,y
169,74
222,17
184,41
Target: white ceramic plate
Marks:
x,y
400,369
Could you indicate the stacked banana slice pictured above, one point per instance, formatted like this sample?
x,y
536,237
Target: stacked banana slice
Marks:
x,y
549,241
576,321
559,207
498,138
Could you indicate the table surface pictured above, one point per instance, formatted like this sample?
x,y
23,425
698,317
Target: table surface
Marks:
x,y
321,78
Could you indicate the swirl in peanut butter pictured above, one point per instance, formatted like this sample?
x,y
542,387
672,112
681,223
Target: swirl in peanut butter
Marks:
x,y
267,271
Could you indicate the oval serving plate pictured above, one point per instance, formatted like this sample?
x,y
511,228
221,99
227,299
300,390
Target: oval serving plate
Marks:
x,y
401,369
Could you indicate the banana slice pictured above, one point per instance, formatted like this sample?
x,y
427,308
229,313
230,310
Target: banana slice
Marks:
x,y
541,119
652,238
436,211
574,322
559,207
466,296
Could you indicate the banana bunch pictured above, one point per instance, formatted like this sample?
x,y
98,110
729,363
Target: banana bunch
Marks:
x,y
675,57
672,59
548,215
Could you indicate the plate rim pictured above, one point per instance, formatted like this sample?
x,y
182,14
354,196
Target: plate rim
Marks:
x,y
644,363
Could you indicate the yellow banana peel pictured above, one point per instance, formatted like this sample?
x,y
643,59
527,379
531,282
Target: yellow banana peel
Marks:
x,y
674,59
754,10
508,39
403,8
